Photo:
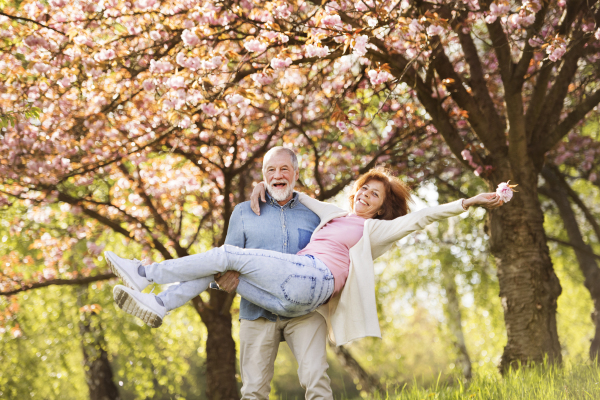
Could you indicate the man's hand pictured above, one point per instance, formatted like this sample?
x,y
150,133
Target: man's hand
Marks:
x,y
258,191
228,281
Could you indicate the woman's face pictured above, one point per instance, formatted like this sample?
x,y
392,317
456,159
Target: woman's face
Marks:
x,y
369,198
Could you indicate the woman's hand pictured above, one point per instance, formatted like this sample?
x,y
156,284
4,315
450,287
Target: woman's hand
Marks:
x,y
487,200
258,191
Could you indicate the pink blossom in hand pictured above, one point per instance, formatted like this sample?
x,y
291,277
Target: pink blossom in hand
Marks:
x,y
505,191
255,46
278,63
189,38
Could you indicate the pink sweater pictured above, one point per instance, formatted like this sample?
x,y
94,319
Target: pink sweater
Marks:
x,y
332,243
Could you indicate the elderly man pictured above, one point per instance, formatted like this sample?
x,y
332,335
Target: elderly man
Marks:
x,y
284,225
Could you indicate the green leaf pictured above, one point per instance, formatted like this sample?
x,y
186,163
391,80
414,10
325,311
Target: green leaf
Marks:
x,y
120,28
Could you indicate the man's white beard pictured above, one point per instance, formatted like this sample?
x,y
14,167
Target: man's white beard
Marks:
x,y
281,194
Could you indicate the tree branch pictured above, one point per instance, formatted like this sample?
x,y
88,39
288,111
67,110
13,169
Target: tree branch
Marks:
x,y
59,282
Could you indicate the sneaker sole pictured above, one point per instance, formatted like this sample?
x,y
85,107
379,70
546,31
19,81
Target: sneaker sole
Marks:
x,y
126,279
130,305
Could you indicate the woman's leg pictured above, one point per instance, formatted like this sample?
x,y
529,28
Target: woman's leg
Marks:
x,y
285,284
188,268
178,294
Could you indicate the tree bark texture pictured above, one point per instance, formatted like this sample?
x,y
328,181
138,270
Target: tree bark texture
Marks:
x,y
220,347
584,253
367,382
455,322
98,371
529,288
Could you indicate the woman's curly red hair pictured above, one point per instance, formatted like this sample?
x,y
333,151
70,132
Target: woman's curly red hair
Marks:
x,y
397,193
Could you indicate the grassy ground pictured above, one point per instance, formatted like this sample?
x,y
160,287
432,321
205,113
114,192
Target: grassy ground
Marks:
x,y
549,383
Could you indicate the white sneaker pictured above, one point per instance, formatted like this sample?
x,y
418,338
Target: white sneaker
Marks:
x,y
141,305
127,270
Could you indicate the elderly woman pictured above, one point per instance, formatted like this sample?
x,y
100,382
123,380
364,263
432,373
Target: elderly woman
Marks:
x,y
333,273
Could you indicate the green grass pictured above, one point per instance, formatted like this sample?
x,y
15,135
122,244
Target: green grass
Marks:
x,y
543,383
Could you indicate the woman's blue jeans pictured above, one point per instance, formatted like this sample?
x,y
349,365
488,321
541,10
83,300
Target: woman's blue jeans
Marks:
x,y
285,284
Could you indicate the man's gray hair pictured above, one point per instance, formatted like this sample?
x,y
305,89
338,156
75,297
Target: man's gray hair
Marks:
x,y
279,149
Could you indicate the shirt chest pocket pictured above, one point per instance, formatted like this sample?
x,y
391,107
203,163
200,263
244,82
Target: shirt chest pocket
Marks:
x,y
303,237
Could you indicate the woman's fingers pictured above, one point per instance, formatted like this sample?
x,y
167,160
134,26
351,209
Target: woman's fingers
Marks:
x,y
257,192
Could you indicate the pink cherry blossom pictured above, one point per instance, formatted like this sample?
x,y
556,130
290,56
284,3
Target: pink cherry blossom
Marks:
x,y
262,79
379,77
234,99
504,191
189,38
282,12
148,85
41,67
255,46
278,63
160,66
143,4
312,50
597,34
466,155
184,122
360,45
331,20
155,35
176,82
57,3
434,30
341,125
213,62
210,109
104,55
49,273
556,50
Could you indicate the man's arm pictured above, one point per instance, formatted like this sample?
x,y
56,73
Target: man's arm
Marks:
x,y
235,237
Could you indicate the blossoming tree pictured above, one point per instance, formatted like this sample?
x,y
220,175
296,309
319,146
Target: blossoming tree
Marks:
x,y
128,90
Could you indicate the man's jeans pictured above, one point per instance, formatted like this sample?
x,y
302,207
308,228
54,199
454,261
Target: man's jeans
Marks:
x,y
285,284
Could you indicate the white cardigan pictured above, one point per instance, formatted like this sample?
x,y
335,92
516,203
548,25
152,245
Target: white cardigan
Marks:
x,y
352,313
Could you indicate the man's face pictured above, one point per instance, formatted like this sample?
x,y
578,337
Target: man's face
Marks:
x,y
280,176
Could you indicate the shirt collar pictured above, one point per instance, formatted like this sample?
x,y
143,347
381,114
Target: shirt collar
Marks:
x,y
291,204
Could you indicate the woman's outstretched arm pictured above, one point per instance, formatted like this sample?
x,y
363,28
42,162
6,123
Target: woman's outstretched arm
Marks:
x,y
386,232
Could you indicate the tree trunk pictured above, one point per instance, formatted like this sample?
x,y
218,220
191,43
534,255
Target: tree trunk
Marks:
x,y
584,253
98,372
367,382
455,322
221,383
529,288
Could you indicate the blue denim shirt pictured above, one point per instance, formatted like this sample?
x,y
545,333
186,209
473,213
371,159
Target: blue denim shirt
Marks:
x,y
286,229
